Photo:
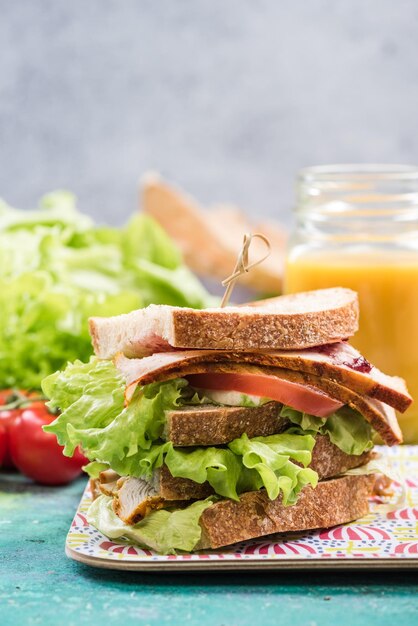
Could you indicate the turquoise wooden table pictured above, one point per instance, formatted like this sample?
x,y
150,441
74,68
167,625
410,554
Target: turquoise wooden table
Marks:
x,y
39,585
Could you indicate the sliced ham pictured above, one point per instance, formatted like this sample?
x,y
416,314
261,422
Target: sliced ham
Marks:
x,y
338,362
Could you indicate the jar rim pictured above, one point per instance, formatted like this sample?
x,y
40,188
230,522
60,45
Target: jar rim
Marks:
x,y
356,171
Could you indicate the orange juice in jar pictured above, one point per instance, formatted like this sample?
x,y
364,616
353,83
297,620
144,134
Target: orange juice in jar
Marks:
x,y
357,227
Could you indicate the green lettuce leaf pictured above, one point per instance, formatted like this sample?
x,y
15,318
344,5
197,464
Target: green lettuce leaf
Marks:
x,y
346,428
165,531
94,468
248,401
269,464
57,268
220,467
90,397
304,420
245,465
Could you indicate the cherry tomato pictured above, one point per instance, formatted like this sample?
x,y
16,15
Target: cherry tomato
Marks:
x,y
36,453
7,417
3,444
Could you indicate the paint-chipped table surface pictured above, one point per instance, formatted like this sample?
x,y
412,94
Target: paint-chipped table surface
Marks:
x,y
40,585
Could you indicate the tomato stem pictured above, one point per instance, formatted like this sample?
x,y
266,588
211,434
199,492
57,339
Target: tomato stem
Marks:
x,y
19,400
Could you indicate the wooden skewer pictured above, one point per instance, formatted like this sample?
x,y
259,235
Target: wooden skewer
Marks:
x,y
242,266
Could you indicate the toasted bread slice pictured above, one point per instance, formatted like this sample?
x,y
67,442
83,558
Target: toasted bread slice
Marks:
x,y
209,425
292,322
332,502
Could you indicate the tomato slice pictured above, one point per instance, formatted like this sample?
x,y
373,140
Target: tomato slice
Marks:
x,y
300,397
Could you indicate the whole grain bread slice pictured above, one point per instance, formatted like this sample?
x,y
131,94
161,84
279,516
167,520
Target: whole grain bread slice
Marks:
x,y
292,322
332,502
209,425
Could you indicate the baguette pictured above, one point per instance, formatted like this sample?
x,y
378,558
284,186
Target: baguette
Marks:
x,y
293,322
210,240
332,502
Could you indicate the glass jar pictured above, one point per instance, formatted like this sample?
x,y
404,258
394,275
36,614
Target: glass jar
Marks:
x,y
357,227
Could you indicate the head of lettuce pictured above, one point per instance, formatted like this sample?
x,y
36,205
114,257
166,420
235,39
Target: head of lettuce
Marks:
x,y
57,268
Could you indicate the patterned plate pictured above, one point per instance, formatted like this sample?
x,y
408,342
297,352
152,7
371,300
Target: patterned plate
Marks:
x,y
382,539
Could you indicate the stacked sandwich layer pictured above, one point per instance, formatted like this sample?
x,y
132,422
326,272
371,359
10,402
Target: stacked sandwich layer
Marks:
x,y
209,427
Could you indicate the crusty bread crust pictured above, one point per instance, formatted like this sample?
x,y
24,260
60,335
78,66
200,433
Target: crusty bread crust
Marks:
x,y
332,502
171,488
291,322
327,460
208,425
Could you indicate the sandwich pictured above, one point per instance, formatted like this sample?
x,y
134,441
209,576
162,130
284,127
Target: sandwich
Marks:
x,y
209,427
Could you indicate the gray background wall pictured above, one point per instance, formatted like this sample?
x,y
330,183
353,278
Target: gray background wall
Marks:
x,y
227,97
